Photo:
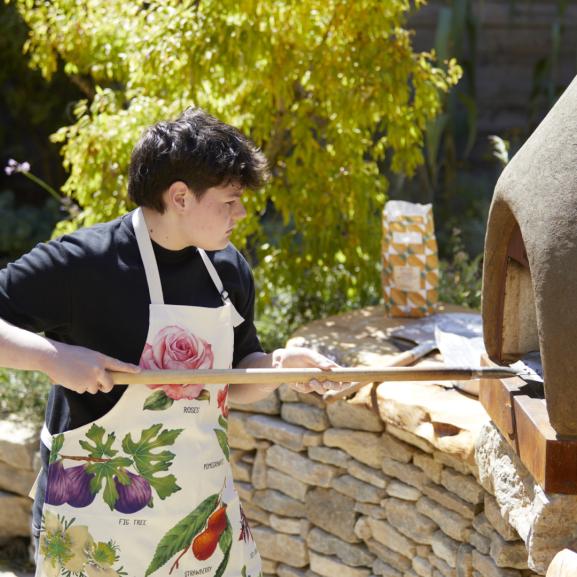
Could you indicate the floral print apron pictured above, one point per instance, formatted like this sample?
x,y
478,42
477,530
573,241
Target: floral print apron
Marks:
x,y
147,488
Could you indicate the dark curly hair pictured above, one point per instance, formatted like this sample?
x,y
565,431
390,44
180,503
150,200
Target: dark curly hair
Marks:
x,y
196,149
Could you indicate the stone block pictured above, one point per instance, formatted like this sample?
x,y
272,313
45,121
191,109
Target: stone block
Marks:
x,y
374,511
404,472
18,445
464,561
392,558
464,486
386,534
279,503
258,477
331,566
300,467
364,447
238,435
244,490
268,566
287,395
357,490
481,525
308,416
451,523
288,549
493,514
241,471
445,548
17,481
286,484
384,570
404,517
332,512
508,554
410,438
313,399
398,450
277,431
286,524
441,568
15,510
429,466
482,544
449,500
312,439
268,406
453,462
422,567
363,529
354,555
487,568
329,456
347,415
288,571
368,474
403,491
255,513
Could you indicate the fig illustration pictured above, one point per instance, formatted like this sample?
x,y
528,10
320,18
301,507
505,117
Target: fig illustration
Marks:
x,y
79,494
133,497
57,485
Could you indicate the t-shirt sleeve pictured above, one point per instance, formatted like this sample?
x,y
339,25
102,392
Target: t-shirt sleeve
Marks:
x,y
35,290
245,336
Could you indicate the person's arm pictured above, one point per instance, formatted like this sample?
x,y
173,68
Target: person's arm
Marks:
x,y
76,368
291,358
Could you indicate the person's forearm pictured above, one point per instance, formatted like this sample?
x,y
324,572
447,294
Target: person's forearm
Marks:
x,y
24,350
247,393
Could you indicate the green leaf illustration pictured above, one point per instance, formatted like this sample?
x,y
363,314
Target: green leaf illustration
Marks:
x,y
158,401
243,571
223,442
223,422
57,443
100,448
105,473
204,395
181,535
225,543
148,463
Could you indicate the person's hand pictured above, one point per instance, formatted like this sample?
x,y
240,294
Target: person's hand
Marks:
x,y
300,357
83,370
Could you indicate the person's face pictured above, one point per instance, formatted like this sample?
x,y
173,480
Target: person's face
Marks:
x,y
208,223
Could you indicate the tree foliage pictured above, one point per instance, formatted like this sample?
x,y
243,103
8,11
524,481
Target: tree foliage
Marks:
x,y
331,90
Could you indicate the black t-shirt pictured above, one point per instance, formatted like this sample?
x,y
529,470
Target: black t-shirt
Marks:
x,y
89,289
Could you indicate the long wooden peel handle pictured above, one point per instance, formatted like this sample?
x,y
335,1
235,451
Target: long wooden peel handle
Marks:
x,y
401,360
279,376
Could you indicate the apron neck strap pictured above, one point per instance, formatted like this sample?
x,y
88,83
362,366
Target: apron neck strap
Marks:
x,y
147,255
236,317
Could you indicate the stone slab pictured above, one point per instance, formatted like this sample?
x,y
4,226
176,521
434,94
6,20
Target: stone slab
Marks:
x,y
299,467
275,430
288,549
347,415
364,447
307,416
333,512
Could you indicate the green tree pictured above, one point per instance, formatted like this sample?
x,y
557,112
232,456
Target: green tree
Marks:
x,y
331,90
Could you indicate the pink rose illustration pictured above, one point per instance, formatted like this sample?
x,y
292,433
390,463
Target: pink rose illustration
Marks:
x,y
175,348
221,400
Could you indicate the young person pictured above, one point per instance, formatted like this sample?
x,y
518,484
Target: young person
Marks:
x,y
135,479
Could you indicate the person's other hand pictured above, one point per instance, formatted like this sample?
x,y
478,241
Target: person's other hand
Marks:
x,y
83,370
299,358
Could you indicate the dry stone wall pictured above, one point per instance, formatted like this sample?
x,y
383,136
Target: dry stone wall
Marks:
x,y
333,490
19,463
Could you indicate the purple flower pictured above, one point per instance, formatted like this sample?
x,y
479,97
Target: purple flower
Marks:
x,y
13,167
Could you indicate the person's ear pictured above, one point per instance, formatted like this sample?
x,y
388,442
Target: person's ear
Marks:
x,y
177,195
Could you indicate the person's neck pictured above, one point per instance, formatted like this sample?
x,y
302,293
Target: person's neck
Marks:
x,y
162,229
